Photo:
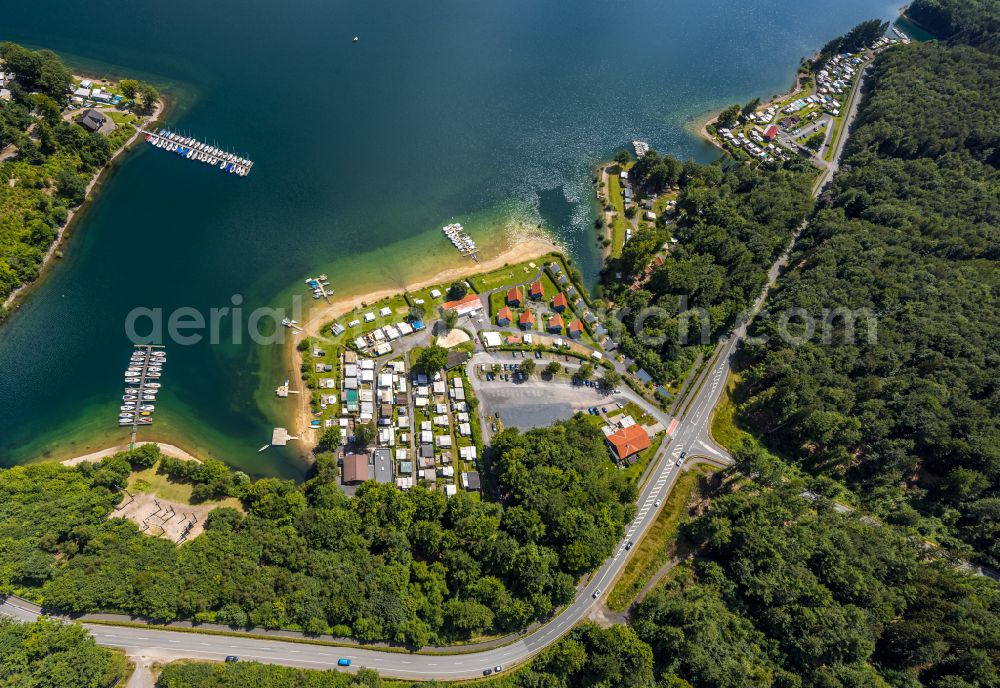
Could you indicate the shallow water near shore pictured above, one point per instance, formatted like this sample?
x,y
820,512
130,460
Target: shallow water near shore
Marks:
x,y
492,114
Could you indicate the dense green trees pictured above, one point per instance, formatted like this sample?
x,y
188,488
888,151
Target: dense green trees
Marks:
x,y
38,70
729,116
786,592
409,567
733,222
862,35
908,233
53,165
50,654
432,359
970,22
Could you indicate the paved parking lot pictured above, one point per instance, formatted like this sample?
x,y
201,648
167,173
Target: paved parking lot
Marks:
x,y
536,403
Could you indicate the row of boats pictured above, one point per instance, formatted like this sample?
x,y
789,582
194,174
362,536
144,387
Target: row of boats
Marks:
x,y
320,286
641,148
461,240
193,149
141,387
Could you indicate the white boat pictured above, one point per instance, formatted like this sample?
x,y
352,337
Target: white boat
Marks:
x,y
153,385
147,407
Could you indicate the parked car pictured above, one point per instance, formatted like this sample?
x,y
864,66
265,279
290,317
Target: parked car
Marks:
x,y
232,658
487,672
619,404
498,668
658,502
343,661
628,545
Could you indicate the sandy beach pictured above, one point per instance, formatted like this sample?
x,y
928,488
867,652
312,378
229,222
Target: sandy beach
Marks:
x,y
520,251
63,231
166,449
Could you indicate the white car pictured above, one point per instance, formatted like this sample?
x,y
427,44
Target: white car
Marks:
x,y
597,593
658,502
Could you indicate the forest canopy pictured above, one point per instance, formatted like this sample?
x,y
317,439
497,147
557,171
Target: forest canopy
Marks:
x,y
409,567
910,231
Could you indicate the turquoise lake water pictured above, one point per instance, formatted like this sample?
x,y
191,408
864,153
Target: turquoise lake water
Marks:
x,y
487,113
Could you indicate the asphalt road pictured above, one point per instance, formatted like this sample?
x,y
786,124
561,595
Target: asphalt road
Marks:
x,y
691,435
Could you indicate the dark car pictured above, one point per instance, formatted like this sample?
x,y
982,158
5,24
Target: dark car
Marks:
x,y
232,658
487,672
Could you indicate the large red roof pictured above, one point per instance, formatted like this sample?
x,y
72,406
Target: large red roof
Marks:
x,y
628,441
470,300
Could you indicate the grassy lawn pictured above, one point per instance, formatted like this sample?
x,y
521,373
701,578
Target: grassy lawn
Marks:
x,y
618,223
654,550
151,482
638,414
508,275
724,428
400,308
634,472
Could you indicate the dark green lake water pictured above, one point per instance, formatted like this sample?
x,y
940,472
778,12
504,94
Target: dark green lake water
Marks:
x,y
484,112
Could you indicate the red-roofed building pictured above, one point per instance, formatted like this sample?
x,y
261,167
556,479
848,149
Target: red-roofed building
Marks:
x,y
576,329
560,302
555,324
628,442
355,468
470,303
771,132
537,291
504,317
514,297
527,320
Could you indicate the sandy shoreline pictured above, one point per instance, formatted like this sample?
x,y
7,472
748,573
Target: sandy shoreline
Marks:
x,y
165,449
63,231
521,251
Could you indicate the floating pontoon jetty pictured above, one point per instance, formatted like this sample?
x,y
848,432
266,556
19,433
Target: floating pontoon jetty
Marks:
x,y
461,240
320,287
142,384
193,149
641,148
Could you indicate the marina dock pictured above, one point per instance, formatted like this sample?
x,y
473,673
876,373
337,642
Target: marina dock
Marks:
x,y
193,149
641,148
461,240
279,438
320,287
142,384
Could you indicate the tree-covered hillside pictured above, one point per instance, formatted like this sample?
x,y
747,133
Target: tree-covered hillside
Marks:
x,y
410,567
972,22
732,222
910,231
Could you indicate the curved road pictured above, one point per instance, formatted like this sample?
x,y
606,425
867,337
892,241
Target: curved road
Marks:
x,y
691,435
